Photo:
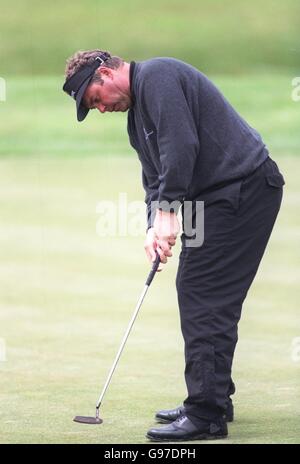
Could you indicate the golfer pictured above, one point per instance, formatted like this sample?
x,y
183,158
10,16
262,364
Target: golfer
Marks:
x,y
193,147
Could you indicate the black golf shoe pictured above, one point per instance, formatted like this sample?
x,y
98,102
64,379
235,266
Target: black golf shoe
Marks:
x,y
183,429
169,415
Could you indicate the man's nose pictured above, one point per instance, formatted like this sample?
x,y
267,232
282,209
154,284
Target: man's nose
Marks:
x,y
101,108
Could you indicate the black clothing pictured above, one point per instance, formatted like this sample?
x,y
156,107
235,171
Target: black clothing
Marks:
x,y
194,146
188,137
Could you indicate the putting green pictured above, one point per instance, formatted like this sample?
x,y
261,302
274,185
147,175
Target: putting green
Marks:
x,y
67,294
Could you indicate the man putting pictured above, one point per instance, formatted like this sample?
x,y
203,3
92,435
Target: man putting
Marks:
x,y
193,146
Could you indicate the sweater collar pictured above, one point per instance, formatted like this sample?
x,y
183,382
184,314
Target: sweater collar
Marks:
x,y
131,73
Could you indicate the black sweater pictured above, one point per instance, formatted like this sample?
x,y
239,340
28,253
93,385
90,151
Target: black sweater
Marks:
x,y
188,137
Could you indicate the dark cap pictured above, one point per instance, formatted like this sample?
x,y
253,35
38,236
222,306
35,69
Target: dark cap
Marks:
x,y
76,85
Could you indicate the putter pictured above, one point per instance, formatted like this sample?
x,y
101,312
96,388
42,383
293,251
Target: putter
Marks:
x,y
97,419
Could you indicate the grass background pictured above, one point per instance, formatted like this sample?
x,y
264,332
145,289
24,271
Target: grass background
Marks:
x,y
67,297
219,36
67,294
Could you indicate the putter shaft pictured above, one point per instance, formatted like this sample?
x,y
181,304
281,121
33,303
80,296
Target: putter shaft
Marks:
x,y
139,303
121,347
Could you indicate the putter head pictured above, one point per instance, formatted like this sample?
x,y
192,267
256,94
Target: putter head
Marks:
x,y
88,420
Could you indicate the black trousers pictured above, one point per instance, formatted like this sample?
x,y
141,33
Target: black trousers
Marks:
x,y
213,280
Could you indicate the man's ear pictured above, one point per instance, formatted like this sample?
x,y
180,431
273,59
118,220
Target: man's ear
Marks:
x,y
103,71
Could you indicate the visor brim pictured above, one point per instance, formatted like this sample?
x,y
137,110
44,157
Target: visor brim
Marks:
x,y
82,110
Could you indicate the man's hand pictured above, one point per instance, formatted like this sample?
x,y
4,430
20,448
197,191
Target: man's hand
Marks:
x,y
162,236
150,247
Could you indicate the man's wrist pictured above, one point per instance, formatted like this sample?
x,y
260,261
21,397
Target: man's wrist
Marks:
x,y
162,211
169,207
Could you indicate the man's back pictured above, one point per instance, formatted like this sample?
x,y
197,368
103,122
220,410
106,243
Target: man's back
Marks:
x,y
184,129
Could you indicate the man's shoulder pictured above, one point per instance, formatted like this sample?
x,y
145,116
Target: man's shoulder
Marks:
x,y
158,65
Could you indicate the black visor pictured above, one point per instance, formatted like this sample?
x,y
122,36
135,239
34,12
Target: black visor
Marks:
x,y
77,84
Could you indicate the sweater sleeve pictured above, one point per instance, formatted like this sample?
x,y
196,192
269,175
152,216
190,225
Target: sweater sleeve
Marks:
x,y
150,184
164,102
150,178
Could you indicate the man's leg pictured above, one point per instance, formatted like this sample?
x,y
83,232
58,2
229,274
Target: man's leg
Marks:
x,y
212,283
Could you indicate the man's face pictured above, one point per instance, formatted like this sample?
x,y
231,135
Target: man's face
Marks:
x,y
112,95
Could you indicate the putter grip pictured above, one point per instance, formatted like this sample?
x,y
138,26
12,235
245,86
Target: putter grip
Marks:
x,y
153,270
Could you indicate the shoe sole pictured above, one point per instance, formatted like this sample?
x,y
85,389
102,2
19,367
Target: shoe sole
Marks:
x,y
166,421
202,436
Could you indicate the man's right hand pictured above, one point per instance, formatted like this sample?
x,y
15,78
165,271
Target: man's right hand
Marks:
x,y
151,246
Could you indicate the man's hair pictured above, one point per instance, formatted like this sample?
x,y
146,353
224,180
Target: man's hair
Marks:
x,y
81,58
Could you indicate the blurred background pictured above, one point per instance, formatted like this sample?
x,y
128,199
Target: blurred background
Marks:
x,y
67,294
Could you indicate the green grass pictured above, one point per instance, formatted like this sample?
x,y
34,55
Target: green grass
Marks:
x,y
39,119
220,36
67,296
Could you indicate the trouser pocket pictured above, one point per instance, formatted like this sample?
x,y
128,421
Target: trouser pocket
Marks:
x,y
275,180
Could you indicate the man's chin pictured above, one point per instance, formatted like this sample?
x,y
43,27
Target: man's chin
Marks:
x,y
120,107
